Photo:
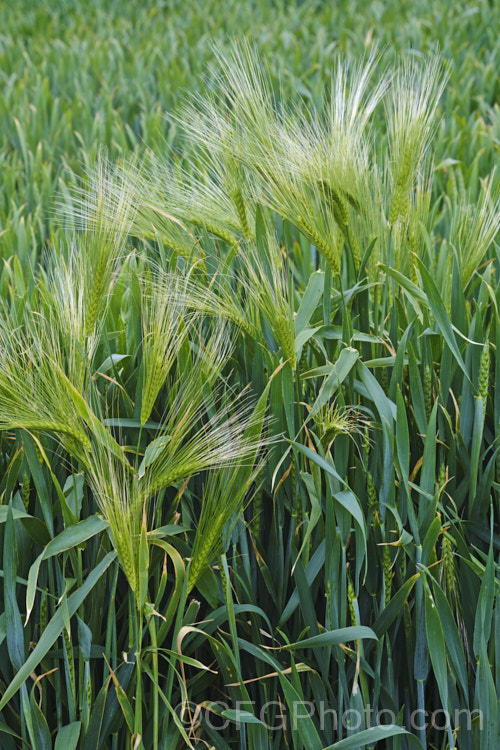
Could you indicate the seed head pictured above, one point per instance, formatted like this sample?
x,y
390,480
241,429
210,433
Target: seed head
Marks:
x,y
484,372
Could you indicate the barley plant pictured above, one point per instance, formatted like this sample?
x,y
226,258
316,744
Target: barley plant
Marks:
x,y
249,415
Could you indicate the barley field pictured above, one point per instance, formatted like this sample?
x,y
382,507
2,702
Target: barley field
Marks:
x,y
249,375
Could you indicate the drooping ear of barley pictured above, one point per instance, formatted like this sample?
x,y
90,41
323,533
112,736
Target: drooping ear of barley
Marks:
x,y
196,443
35,392
474,226
119,498
268,290
165,326
103,214
242,212
223,499
216,298
329,249
152,215
315,174
412,104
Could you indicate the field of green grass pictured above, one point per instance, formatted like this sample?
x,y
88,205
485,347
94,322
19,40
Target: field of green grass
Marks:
x,y
249,375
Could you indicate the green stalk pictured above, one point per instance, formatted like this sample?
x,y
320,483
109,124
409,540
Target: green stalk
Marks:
x,y
177,627
110,644
226,587
138,691
154,646
421,660
477,436
138,447
57,674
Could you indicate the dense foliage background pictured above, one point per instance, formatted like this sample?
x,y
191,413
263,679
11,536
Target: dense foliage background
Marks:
x,y
159,534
